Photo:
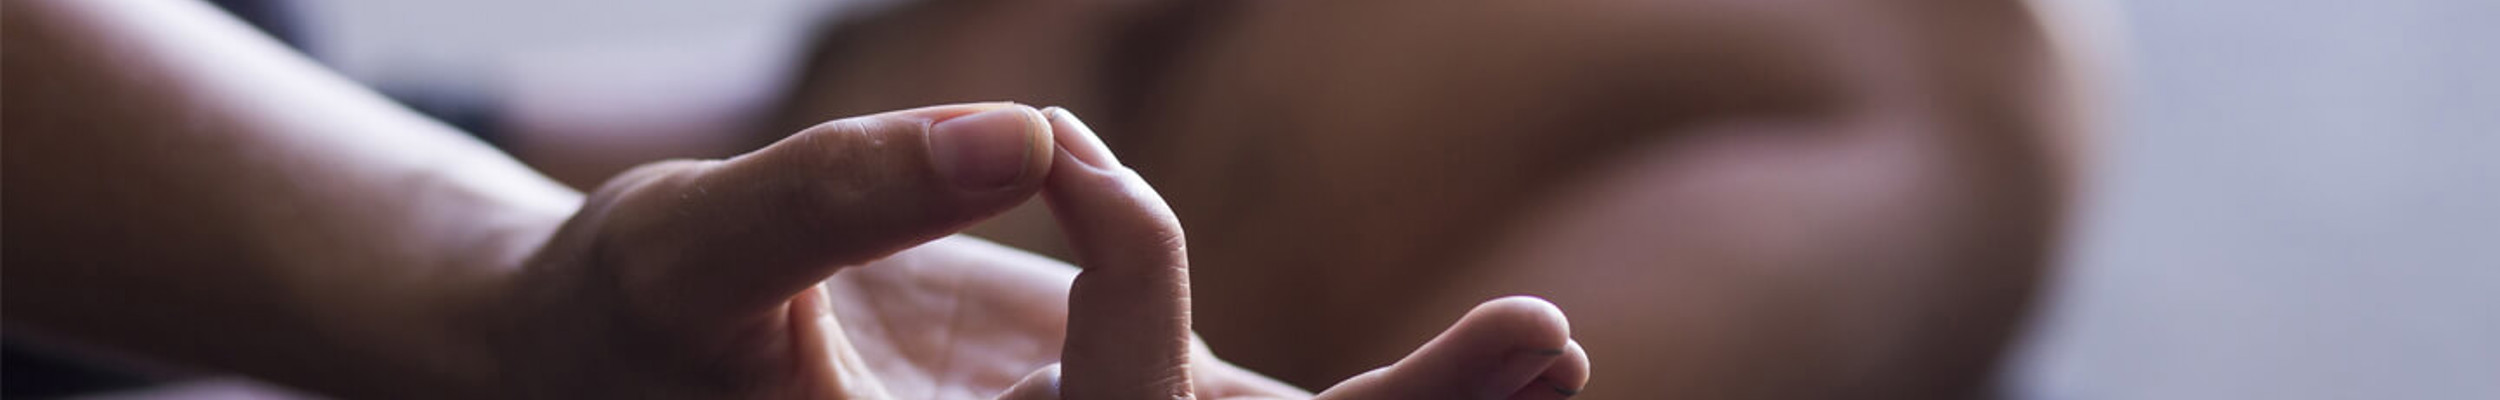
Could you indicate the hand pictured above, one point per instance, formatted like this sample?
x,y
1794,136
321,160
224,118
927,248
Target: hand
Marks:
x,y
699,278
960,318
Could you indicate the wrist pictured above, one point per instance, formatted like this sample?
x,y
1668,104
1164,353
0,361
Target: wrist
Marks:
x,y
424,328
472,312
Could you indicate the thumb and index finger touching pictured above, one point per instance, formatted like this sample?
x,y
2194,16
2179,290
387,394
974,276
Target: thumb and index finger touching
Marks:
x,y
698,241
1128,310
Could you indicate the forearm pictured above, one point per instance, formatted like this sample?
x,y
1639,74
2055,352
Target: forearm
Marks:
x,y
182,187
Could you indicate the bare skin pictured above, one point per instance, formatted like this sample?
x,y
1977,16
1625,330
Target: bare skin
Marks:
x,y
184,190
1799,199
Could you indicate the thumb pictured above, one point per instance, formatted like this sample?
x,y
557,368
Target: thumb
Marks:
x,y
737,237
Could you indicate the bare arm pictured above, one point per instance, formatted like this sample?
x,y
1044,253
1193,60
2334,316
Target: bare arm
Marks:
x,y
180,186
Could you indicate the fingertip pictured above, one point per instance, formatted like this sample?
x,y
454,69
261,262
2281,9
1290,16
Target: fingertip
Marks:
x,y
1568,376
1528,322
1078,140
1574,351
1565,376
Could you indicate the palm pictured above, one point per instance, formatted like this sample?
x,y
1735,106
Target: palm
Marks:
x,y
964,318
957,318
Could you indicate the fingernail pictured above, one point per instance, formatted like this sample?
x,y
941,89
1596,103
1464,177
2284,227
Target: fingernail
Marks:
x,y
1080,139
985,150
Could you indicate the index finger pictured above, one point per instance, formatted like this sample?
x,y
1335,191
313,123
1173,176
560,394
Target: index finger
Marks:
x,y
1128,312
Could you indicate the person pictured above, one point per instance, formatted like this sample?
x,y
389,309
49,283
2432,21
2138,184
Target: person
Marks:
x,y
183,190
1738,199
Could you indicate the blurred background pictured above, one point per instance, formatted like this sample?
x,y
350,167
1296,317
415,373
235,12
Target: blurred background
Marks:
x,y
2296,200
2287,199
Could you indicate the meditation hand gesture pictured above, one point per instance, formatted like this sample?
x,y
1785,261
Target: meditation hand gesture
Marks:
x,y
702,279
183,189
